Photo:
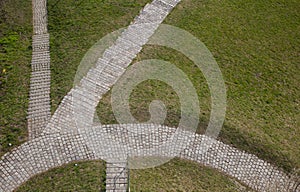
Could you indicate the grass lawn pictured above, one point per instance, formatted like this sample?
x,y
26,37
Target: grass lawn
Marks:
x,y
176,175
256,44
182,175
79,176
15,57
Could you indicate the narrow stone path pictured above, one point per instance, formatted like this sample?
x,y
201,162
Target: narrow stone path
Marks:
x,y
39,96
116,177
82,100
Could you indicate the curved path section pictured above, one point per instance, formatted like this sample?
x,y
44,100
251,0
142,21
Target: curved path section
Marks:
x,y
50,151
39,96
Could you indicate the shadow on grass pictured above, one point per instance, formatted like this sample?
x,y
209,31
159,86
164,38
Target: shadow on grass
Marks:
x,y
236,138
228,135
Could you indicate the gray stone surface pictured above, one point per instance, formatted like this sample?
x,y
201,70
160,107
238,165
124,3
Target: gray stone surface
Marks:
x,y
39,8
48,151
116,176
39,96
39,155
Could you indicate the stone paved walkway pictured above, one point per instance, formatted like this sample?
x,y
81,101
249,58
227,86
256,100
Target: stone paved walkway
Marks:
x,y
116,177
65,139
49,151
39,96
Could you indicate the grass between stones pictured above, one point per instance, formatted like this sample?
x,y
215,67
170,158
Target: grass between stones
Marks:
x,y
256,45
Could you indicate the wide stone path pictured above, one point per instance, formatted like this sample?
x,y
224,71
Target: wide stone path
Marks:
x,y
49,151
71,135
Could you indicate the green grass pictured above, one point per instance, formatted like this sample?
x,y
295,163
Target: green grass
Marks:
x,y
176,175
74,28
15,54
182,175
80,177
256,44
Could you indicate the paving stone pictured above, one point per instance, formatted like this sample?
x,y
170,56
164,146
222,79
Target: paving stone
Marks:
x,y
116,176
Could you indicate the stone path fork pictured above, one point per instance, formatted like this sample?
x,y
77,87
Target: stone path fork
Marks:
x,y
108,69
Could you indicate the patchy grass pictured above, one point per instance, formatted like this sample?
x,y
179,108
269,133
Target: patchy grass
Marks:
x,y
15,55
